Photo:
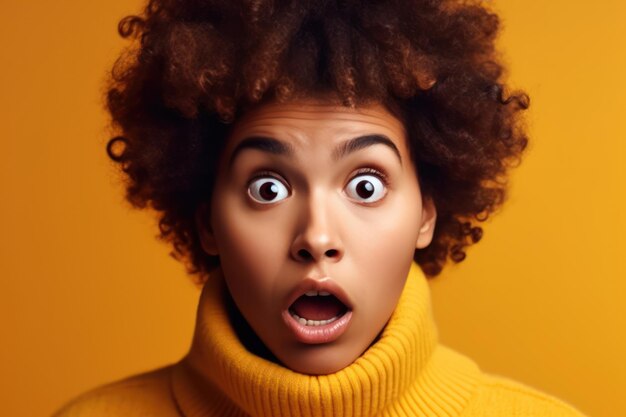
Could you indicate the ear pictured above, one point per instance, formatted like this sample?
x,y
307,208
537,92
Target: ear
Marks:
x,y
427,225
205,232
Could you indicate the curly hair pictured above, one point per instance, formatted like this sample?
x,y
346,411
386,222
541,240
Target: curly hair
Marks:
x,y
197,65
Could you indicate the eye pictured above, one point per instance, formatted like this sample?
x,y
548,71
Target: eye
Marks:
x,y
267,190
366,188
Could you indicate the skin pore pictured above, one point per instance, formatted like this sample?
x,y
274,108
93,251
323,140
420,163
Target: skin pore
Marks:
x,y
314,195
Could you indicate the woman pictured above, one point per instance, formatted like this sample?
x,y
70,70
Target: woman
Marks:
x,y
312,163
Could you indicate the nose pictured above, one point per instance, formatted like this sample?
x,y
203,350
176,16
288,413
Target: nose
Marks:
x,y
317,238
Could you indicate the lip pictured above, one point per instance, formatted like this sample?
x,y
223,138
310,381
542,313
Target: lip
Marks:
x,y
318,334
319,284
314,335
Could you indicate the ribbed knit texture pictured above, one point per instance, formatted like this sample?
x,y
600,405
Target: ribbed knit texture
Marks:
x,y
405,373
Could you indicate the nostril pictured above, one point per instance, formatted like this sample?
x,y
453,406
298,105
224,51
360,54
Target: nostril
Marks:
x,y
307,256
304,254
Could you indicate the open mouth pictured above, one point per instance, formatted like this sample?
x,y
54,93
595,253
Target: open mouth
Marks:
x,y
320,313
317,308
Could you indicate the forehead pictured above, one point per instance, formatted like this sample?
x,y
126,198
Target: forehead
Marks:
x,y
299,121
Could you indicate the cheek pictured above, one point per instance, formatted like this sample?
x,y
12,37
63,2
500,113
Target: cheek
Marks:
x,y
384,253
389,233
386,259
250,246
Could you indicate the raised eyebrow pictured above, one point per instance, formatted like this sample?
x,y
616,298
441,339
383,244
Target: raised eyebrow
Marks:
x,y
361,142
264,144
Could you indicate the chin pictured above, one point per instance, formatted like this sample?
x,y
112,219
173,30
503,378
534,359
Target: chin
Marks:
x,y
316,360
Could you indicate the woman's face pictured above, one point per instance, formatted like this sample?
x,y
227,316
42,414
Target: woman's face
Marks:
x,y
315,216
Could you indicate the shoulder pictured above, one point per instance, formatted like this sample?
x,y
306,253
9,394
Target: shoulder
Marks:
x,y
146,394
500,396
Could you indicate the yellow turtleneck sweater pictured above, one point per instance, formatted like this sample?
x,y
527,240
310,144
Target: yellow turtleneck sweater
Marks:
x,y
405,373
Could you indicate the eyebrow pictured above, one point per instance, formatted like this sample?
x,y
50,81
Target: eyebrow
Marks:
x,y
277,147
264,144
362,142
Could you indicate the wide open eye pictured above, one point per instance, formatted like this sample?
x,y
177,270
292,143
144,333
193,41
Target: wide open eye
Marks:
x,y
366,188
267,190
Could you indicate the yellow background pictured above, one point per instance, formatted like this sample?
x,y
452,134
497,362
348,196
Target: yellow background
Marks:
x,y
88,296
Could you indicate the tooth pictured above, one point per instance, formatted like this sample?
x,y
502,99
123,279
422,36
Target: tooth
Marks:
x,y
332,319
323,293
312,293
306,322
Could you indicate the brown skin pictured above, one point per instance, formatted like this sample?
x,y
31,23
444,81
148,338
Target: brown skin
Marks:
x,y
317,226
195,64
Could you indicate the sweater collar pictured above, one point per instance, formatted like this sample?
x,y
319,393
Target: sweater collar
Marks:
x,y
406,372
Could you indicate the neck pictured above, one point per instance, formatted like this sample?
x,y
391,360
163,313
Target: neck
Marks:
x,y
405,367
